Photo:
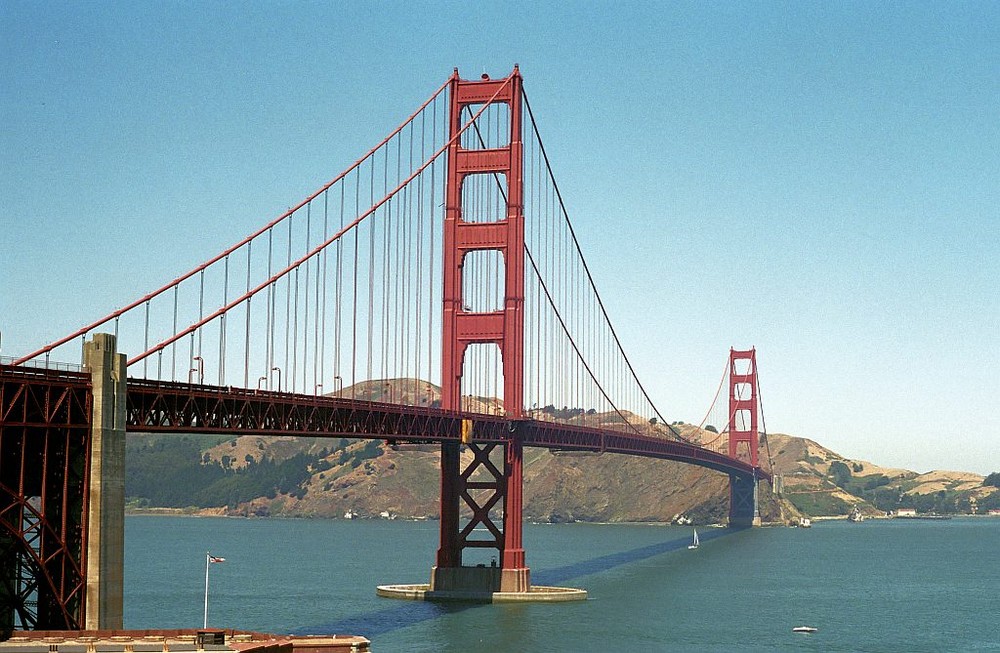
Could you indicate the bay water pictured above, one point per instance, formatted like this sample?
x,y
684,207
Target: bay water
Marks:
x,y
892,585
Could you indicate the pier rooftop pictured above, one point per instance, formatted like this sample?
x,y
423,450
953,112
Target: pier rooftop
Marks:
x,y
173,641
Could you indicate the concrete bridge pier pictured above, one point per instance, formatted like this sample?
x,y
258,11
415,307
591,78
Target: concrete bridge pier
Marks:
x,y
743,507
105,556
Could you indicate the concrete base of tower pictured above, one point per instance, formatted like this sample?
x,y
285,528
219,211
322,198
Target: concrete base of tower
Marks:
x,y
480,579
481,585
535,594
745,522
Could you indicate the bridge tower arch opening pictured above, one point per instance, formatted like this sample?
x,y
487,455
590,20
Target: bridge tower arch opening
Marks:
x,y
483,304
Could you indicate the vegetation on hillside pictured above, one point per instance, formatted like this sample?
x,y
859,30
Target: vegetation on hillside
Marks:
x,y
177,472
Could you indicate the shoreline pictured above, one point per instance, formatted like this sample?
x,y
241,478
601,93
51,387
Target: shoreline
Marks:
x,y
218,513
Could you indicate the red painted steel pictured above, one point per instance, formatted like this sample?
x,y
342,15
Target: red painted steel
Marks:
x,y
44,470
462,327
743,437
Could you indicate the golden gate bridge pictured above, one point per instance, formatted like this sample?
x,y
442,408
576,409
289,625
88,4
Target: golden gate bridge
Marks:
x,y
443,260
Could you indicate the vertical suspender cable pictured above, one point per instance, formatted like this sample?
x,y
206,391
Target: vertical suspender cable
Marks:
x,y
246,342
173,350
222,325
305,299
321,355
146,341
269,345
286,335
371,269
354,304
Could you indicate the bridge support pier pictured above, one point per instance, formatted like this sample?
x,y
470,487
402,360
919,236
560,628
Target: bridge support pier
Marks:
x,y
491,487
743,511
106,512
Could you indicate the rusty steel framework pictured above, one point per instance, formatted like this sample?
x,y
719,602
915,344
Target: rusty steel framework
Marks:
x,y
45,418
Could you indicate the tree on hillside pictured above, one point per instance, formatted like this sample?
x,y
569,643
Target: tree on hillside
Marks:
x,y
840,472
993,479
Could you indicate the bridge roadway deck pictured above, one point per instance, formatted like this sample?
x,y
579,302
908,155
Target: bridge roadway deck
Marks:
x,y
159,406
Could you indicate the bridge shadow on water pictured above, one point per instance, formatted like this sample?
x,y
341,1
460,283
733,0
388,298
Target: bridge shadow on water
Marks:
x,y
409,613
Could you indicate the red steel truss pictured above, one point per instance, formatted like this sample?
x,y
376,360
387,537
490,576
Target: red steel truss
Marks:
x,y
44,466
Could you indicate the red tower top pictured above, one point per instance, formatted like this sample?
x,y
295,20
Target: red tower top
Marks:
x,y
461,326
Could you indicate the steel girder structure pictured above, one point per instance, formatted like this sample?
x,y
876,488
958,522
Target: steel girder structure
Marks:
x,y
160,406
45,427
579,438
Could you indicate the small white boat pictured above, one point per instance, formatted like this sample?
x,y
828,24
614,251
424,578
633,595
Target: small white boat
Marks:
x,y
694,541
804,629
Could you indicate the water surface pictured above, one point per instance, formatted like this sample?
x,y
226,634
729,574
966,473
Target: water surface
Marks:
x,y
874,586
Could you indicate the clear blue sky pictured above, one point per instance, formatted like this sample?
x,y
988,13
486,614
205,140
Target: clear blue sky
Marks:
x,y
818,180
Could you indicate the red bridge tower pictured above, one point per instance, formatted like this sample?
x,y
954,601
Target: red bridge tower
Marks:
x,y
744,438
465,233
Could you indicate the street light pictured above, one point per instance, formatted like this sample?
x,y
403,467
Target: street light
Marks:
x,y
278,370
338,385
261,380
199,368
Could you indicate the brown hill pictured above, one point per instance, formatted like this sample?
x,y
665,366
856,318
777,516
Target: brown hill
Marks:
x,y
819,481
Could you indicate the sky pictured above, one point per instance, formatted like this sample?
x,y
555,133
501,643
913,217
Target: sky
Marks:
x,y
820,181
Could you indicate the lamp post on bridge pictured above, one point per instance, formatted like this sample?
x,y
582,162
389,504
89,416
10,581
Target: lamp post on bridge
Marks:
x,y
199,368
278,370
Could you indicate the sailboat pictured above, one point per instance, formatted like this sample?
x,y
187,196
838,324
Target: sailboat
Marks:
x,y
694,542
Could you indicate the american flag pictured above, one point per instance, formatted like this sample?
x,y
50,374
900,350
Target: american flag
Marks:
x,y
212,558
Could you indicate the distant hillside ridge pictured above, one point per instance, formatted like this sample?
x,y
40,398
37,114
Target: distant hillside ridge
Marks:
x,y
818,481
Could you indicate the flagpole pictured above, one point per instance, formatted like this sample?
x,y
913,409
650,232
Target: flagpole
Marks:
x,y
208,558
